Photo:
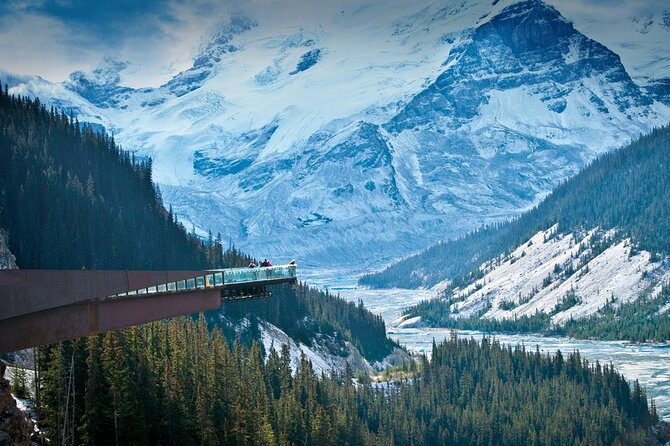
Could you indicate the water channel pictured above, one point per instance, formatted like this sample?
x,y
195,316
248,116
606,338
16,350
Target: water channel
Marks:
x,y
648,363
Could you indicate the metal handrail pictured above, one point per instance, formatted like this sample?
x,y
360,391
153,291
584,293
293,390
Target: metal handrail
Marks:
x,y
219,278
248,275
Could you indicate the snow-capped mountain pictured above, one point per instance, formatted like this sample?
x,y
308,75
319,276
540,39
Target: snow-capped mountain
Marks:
x,y
354,131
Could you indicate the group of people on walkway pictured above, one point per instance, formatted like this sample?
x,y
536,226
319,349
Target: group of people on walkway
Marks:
x,y
264,264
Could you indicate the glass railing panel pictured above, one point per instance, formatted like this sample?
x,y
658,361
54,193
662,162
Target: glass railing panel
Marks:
x,y
200,282
217,278
242,275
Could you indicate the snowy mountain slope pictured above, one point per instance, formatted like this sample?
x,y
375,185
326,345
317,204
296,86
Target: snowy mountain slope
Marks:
x,y
327,351
592,259
56,95
353,131
323,360
539,274
637,31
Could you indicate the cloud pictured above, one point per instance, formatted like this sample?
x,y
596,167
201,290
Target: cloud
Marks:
x,y
159,38
54,38
613,9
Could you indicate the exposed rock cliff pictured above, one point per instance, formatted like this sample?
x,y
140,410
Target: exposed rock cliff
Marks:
x,y
15,429
7,259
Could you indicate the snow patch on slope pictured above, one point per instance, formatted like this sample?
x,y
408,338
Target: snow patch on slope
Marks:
x,y
322,360
539,275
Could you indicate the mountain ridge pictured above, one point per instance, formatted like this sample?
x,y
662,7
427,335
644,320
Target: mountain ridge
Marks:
x,y
595,251
473,125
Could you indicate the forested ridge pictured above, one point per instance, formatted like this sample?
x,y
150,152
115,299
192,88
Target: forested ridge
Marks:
x,y
642,320
637,321
177,383
70,197
306,311
627,189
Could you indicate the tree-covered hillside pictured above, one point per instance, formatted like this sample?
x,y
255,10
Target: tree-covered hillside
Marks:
x,y
71,198
638,321
303,312
177,383
628,189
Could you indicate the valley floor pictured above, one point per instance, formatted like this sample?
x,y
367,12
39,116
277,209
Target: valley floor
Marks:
x,y
648,363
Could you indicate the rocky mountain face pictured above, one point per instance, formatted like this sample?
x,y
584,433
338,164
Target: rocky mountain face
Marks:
x,y
566,276
15,429
7,259
362,134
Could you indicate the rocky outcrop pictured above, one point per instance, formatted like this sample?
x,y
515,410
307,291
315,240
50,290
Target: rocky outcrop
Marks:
x,y
660,434
397,357
15,429
7,259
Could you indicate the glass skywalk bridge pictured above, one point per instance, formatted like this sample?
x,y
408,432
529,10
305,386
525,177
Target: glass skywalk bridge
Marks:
x,y
45,306
235,283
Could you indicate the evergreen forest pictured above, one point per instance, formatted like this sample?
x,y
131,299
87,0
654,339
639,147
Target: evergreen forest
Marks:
x,y
178,383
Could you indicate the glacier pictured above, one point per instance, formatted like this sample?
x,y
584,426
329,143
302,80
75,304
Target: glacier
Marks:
x,y
349,132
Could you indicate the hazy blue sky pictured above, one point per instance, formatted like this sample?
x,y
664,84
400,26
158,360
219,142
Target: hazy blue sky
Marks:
x,y
158,38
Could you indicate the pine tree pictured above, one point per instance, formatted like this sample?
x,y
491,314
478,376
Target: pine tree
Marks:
x,y
128,419
19,382
98,421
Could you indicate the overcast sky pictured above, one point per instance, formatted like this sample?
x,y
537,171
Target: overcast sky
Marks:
x,y
53,38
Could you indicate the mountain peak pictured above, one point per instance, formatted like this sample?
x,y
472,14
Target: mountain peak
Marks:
x,y
528,46
102,85
219,42
530,24
211,53
108,73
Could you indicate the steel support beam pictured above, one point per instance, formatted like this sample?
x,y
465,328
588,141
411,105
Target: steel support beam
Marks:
x,y
45,306
24,291
90,318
